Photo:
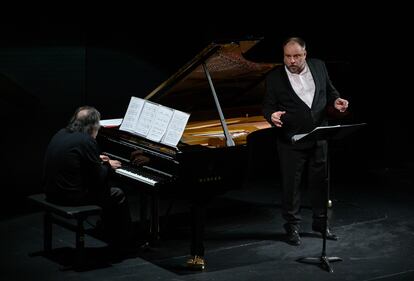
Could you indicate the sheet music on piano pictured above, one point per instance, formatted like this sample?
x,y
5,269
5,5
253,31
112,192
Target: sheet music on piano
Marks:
x,y
154,121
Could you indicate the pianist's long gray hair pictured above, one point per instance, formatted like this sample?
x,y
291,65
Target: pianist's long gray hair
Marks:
x,y
85,119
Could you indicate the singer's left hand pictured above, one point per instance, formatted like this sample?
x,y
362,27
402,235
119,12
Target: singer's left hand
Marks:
x,y
341,104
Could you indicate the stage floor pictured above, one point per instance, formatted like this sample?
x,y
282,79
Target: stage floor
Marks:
x,y
244,240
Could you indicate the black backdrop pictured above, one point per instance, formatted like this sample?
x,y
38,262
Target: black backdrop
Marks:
x,y
47,70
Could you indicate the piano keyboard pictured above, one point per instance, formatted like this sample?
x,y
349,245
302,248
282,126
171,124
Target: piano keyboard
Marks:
x,y
138,175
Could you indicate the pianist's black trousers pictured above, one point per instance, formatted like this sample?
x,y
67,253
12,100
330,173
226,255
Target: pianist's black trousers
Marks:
x,y
306,163
116,217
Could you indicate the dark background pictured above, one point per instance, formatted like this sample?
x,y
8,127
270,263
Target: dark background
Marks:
x,y
48,69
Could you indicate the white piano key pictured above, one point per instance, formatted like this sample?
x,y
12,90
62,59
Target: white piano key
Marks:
x,y
136,176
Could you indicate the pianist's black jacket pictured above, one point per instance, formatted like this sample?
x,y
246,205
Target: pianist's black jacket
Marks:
x,y
73,172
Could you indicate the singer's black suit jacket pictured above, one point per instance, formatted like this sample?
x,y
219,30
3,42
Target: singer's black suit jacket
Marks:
x,y
299,118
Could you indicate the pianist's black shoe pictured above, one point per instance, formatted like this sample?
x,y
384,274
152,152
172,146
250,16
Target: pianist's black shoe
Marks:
x,y
329,234
292,235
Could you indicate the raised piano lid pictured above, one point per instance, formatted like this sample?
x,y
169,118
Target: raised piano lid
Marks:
x,y
239,84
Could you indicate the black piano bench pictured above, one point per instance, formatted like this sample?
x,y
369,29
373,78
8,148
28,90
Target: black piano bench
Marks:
x,y
64,216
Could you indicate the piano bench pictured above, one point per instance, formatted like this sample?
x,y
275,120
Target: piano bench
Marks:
x,y
64,216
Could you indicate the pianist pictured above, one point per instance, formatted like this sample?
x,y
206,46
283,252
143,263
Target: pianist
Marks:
x,y
76,174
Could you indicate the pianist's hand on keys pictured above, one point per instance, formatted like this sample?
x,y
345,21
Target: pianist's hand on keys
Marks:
x,y
114,164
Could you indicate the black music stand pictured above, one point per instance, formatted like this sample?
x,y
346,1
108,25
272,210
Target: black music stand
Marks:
x,y
325,133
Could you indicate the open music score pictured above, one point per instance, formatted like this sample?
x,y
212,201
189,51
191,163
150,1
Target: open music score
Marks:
x,y
154,121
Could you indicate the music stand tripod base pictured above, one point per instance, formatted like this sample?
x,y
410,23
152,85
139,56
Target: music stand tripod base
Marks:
x,y
323,261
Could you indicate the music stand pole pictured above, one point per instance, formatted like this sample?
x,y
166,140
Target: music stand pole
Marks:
x,y
324,261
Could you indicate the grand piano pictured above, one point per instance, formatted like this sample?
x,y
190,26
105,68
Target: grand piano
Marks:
x,y
222,91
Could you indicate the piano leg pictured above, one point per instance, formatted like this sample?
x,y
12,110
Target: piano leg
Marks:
x,y
155,218
198,217
198,214
145,218
149,215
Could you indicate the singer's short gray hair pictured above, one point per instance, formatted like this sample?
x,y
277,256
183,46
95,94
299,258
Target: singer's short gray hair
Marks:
x,y
298,40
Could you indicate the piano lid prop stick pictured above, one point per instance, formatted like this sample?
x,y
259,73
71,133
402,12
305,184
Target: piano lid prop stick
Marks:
x,y
229,139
